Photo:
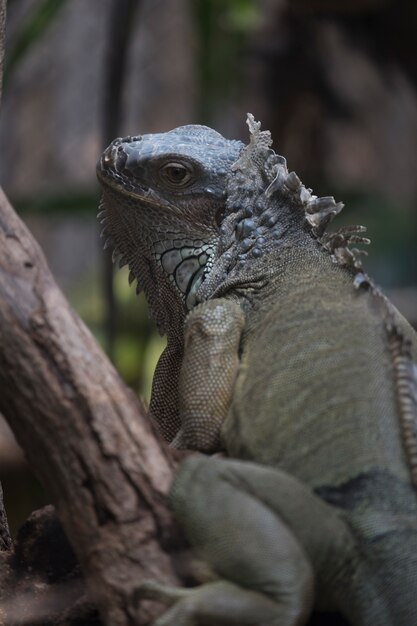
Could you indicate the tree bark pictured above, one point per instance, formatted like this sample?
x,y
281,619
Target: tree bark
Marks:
x,y
5,539
84,433
2,39
40,578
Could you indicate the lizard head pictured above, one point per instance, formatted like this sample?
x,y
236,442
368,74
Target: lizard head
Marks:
x,y
163,201
194,214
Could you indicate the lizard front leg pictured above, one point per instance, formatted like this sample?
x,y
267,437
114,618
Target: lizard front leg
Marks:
x,y
208,372
164,407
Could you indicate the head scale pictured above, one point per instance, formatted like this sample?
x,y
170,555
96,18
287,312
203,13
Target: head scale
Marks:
x,y
163,199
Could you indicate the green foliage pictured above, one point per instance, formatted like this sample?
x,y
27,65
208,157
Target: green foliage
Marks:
x,y
70,202
138,345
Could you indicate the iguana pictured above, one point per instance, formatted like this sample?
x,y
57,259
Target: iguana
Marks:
x,y
283,354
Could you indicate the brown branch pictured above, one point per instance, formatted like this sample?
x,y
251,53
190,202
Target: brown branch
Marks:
x,y
5,539
2,38
40,580
83,432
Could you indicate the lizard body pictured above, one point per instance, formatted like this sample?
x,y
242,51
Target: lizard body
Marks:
x,y
282,352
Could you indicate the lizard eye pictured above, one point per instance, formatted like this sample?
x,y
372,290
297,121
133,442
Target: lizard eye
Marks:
x,y
177,174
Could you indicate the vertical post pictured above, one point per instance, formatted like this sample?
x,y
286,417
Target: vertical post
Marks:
x,y
121,18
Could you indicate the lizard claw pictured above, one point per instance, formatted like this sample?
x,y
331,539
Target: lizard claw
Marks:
x,y
153,590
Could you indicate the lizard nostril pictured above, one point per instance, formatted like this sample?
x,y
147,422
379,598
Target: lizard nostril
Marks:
x,y
120,159
114,157
107,157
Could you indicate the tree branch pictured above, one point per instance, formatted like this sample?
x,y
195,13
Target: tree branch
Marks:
x,y
5,539
40,580
2,39
84,433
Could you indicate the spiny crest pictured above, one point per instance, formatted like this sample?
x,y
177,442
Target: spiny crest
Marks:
x,y
256,153
405,375
319,211
117,257
406,381
260,141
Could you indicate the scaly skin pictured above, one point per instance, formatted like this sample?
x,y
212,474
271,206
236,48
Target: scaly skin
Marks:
x,y
283,353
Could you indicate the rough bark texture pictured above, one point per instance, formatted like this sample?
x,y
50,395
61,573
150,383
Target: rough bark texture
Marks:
x,y
83,433
5,540
2,30
40,580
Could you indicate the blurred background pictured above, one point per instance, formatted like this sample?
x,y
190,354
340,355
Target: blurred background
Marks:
x,y
335,82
